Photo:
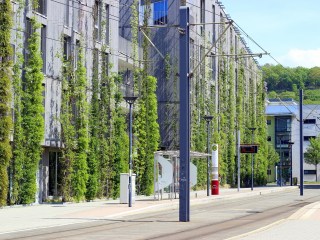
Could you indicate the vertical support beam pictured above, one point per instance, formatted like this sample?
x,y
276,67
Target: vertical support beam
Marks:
x,y
184,183
238,158
280,161
301,141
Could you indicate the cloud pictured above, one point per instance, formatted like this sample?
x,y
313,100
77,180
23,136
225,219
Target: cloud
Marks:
x,y
303,58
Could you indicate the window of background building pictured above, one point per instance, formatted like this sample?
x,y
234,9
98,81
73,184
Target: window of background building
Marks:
x,y
269,139
310,172
307,138
268,122
283,124
309,121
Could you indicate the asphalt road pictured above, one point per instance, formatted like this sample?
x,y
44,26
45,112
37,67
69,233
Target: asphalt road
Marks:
x,y
216,220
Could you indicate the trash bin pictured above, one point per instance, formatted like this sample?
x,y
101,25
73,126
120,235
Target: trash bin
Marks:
x,y
295,181
215,187
124,188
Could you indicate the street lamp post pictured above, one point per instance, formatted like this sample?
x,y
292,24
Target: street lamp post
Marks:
x,y
252,156
130,100
290,146
280,136
208,120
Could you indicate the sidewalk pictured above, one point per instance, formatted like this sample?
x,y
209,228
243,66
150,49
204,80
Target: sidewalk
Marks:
x,y
21,218
303,224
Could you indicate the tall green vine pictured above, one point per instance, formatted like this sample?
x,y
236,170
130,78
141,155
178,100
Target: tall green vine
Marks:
x,y
79,168
32,119
16,165
5,96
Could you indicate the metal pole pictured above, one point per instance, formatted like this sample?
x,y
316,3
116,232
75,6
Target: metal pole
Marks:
x,y
238,157
56,177
130,155
280,161
130,101
184,134
208,183
290,156
252,157
301,141
208,119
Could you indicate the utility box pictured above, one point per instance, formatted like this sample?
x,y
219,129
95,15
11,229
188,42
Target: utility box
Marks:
x,y
124,188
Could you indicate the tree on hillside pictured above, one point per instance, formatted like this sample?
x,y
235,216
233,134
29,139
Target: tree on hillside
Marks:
x,y
312,155
314,77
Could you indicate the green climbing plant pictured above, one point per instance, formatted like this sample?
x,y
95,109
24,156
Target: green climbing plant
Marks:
x,y
121,139
94,144
32,119
5,96
79,167
68,131
16,164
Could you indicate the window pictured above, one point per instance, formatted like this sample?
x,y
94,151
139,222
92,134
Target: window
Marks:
x,y
307,138
309,121
202,66
66,13
107,23
97,20
192,54
268,122
67,48
43,47
283,124
28,32
213,25
76,54
310,172
202,15
55,173
269,139
160,12
76,13
42,7
105,62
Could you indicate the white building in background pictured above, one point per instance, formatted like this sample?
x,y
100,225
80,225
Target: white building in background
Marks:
x,y
284,134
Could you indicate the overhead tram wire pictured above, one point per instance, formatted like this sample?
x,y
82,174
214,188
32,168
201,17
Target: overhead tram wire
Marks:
x,y
84,47
247,35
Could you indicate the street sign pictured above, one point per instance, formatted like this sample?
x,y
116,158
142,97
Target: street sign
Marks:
x,y
248,148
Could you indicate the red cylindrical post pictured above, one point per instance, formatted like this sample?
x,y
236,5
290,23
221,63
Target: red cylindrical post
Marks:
x,y
214,187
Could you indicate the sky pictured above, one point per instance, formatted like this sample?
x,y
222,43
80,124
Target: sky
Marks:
x,y
287,29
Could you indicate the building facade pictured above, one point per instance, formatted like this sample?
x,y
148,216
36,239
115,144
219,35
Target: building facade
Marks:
x,y
284,134
106,26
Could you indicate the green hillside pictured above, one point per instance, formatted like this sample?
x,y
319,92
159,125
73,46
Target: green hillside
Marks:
x,y
285,82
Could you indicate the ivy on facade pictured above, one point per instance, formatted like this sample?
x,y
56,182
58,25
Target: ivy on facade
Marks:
x,y
5,96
